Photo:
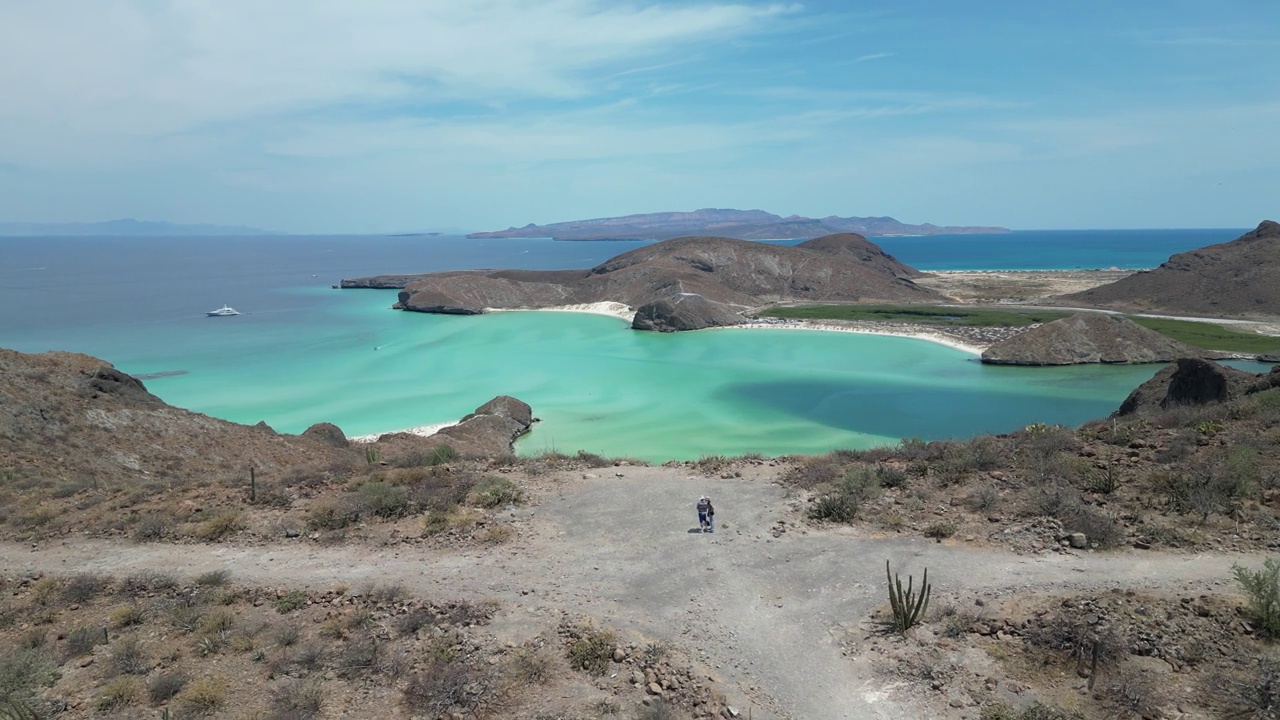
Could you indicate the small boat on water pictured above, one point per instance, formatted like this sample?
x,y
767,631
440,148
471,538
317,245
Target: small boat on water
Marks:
x,y
224,311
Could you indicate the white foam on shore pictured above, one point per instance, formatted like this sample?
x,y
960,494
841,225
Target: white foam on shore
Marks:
x,y
622,311
820,326
420,431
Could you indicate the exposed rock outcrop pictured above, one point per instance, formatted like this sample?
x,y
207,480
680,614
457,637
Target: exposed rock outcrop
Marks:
x,y
106,425
1241,278
685,311
1191,381
327,433
1088,338
728,275
491,430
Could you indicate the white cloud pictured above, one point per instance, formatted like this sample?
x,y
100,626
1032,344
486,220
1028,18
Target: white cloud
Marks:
x,y
130,69
874,56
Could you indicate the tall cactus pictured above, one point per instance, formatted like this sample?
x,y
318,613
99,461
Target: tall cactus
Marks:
x,y
907,606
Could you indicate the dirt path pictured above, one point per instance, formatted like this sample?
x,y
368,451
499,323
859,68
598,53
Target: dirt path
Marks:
x,y
767,615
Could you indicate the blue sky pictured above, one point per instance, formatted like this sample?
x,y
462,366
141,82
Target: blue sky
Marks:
x,y
397,115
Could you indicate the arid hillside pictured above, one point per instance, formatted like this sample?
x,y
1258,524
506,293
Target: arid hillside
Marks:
x,y
1240,278
725,276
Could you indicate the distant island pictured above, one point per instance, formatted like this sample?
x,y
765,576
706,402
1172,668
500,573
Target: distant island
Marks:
x,y
740,224
124,226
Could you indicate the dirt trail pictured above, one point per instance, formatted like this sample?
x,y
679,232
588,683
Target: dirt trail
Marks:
x,y
767,615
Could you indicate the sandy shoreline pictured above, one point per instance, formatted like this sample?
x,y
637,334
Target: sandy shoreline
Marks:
x,y
421,431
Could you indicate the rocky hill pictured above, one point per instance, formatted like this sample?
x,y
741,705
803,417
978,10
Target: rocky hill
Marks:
x,y
682,284
742,224
1088,338
72,416
1237,278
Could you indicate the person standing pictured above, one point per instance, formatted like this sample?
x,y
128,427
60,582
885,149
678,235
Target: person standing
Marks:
x,y
704,504
711,516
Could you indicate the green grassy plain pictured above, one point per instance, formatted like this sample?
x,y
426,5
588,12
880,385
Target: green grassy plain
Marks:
x,y
1205,335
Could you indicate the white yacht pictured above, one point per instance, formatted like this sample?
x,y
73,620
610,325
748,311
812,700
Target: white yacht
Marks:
x,y
224,311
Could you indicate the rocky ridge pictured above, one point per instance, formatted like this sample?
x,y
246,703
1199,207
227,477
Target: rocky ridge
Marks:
x,y
681,284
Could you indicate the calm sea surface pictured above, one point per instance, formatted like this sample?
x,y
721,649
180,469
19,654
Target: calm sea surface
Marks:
x,y
303,353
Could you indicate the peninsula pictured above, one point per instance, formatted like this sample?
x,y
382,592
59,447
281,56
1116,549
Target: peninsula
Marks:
x,y
741,224
682,284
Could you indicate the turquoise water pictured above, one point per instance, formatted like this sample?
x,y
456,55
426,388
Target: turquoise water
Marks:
x,y
302,353
601,387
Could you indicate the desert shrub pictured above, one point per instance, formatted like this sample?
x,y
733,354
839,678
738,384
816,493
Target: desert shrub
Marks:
x,y
1250,692
83,587
914,448
984,498
202,697
151,528
1105,480
1052,501
1205,488
442,491
164,687
441,686
815,472
437,455
128,657
22,675
1094,646
413,621
842,502
496,534
1102,530
659,709
532,665
1262,587
1165,535
185,618
145,581
891,476
711,463
310,656
332,514
296,700
593,651
287,635
290,601
83,640
213,578
219,526
217,622
494,490
119,693
984,453
383,500
1046,440
355,657
940,530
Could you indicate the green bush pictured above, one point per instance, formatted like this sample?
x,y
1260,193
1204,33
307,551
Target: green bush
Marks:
x,y
383,500
1263,590
290,601
842,502
21,675
593,651
494,491
332,514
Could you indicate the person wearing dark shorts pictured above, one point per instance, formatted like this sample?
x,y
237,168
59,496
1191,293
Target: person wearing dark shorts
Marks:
x,y
704,505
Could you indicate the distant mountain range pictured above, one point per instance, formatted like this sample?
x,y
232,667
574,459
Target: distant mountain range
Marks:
x,y
125,226
741,224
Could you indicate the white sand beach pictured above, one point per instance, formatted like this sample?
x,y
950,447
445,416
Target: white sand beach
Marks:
x,y
421,431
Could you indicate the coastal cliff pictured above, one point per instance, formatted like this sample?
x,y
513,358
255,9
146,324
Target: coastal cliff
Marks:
x,y
681,284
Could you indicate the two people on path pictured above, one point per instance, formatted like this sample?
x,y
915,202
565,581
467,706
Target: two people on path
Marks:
x,y
706,515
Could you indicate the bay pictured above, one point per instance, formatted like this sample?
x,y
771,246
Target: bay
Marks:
x,y
303,353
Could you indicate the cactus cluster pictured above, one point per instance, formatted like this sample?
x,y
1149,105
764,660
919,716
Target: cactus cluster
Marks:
x,y
908,607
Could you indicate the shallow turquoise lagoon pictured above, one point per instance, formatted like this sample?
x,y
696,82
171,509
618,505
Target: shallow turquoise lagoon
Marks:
x,y
343,357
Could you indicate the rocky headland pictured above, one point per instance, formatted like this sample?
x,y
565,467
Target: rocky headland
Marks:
x,y
1089,337
742,224
682,284
1240,278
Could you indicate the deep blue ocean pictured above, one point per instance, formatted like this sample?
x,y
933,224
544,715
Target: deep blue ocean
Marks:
x,y
302,352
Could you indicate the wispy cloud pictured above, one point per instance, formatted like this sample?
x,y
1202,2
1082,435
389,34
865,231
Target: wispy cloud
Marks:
x,y
874,56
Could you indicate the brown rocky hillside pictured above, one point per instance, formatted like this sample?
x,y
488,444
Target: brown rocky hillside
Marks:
x,y
1237,278
728,275
1088,337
